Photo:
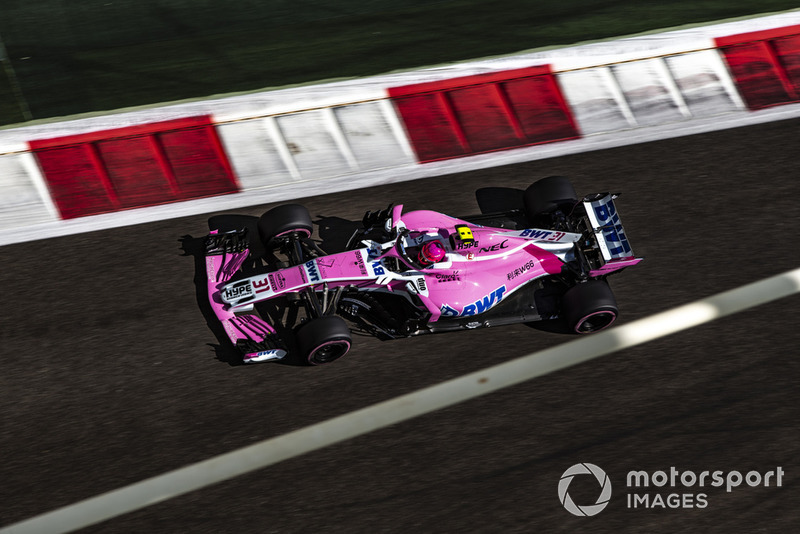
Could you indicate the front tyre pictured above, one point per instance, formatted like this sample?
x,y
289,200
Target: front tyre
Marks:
x,y
589,307
282,221
323,339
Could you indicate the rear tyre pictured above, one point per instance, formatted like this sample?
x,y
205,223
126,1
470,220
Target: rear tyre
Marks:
x,y
323,339
282,221
589,307
548,195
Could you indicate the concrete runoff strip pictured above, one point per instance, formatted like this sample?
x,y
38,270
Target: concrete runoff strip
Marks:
x,y
317,436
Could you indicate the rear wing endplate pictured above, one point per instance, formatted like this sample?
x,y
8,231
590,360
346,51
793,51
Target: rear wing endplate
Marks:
x,y
607,227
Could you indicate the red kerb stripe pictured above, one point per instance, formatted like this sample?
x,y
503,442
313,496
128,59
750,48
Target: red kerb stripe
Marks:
x,y
484,112
135,166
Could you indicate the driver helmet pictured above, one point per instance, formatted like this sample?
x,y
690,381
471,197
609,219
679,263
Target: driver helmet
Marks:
x,y
431,252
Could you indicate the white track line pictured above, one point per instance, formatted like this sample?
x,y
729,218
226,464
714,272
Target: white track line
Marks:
x,y
272,451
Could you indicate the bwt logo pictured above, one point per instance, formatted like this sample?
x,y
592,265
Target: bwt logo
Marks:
x,y
313,271
477,307
584,469
378,269
535,233
612,228
483,304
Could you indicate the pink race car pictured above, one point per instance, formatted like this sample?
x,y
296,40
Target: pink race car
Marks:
x,y
409,273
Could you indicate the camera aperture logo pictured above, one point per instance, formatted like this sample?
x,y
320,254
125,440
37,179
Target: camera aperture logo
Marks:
x,y
584,469
645,489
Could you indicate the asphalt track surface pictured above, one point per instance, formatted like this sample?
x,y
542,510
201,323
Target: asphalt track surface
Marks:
x,y
110,373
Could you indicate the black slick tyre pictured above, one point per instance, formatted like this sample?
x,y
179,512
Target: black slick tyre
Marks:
x,y
545,196
282,221
323,339
589,307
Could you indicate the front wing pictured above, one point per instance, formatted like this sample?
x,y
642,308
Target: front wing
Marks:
x,y
256,339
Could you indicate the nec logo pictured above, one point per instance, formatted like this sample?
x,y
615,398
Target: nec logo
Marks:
x,y
612,229
495,248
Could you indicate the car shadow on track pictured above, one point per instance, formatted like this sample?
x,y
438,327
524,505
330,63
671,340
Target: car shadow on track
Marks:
x,y
553,326
225,351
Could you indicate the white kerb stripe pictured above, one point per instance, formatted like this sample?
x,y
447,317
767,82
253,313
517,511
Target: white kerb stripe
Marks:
x,y
272,451
37,178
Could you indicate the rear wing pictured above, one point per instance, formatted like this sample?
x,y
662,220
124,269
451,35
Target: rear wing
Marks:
x,y
614,246
256,339
607,227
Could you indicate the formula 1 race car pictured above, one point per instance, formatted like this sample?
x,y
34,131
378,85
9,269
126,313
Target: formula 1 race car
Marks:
x,y
410,273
